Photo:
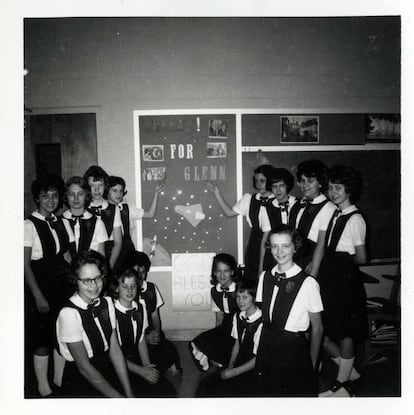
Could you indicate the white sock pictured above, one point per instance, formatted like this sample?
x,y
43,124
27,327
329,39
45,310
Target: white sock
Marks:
x,y
354,373
41,364
59,366
345,367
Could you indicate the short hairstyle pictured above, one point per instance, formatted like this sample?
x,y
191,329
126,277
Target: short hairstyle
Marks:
x,y
115,180
285,229
350,178
87,257
264,169
83,184
280,175
120,277
227,259
46,183
314,168
137,258
98,174
248,285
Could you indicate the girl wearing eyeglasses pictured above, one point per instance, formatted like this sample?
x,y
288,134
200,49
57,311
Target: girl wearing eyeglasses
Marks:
x,y
85,328
213,347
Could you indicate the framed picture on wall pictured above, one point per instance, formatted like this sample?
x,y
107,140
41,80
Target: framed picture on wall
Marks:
x,y
153,153
299,129
383,127
217,128
216,150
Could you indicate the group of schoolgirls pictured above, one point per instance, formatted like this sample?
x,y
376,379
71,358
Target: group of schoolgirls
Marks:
x,y
70,262
300,291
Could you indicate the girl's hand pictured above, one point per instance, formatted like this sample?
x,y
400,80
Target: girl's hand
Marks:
x,y
228,373
212,187
153,337
42,304
151,374
159,188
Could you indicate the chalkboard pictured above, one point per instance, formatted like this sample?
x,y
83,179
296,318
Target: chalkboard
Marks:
x,y
380,201
185,151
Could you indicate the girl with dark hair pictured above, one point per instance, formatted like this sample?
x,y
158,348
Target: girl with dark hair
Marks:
x,y
255,209
214,346
290,302
46,254
342,290
85,328
312,214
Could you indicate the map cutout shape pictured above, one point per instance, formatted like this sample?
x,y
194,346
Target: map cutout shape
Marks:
x,y
194,213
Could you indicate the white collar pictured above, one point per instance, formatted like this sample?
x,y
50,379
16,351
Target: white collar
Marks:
x,y
349,209
319,199
255,316
291,272
144,286
38,215
232,287
291,200
104,204
79,301
258,196
67,214
123,309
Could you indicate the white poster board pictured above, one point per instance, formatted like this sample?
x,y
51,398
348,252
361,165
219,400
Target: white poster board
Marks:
x,y
191,274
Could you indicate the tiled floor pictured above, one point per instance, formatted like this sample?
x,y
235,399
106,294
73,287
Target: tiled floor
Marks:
x,y
380,378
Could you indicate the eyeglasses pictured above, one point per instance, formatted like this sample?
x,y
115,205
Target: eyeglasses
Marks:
x,y
89,281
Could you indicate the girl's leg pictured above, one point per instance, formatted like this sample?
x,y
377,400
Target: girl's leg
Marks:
x,y
58,368
346,361
41,365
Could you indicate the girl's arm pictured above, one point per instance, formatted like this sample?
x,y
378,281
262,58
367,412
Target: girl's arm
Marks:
x,y
118,360
219,317
147,371
316,336
360,257
116,250
101,248
262,251
89,372
153,337
227,209
313,267
150,213
237,371
234,353
41,302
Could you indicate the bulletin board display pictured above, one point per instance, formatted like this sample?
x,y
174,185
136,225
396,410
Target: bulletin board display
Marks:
x,y
184,152
380,200
303,129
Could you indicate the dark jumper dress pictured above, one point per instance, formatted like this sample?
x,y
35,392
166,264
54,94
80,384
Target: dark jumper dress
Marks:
x,y
74,384
217,343
129,345
50,273
283,364
86,231
304,255
343,293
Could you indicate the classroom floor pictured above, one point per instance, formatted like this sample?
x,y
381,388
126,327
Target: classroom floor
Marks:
x,y
380,376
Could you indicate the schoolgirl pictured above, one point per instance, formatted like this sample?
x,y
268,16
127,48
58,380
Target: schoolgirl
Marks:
x,y
342,290
97,179
46,256
162,352
280,183
85,328
90,233
132,321
290,303
312,214
214,346
129,214
238,378
253,207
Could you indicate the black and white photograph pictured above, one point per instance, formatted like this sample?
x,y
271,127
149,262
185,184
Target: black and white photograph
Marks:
x,y
211,206
217,128
299,129
216,150
153,153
